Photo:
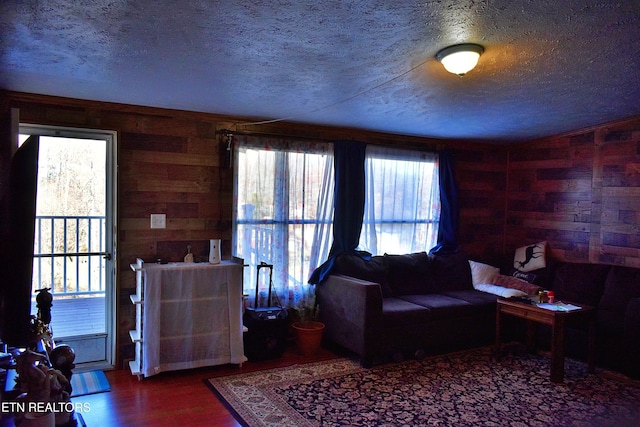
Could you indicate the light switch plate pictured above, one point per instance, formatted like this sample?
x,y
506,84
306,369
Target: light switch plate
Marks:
x,y
158,221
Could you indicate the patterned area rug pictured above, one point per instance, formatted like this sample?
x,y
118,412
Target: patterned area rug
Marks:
x,y
460,389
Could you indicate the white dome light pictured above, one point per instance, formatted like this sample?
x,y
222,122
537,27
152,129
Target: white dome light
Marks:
x,y
461,58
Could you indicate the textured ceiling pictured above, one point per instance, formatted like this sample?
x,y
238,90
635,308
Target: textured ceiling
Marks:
x,y
549,66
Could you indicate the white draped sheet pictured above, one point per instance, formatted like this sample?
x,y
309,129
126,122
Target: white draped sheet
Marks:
x,y
192,316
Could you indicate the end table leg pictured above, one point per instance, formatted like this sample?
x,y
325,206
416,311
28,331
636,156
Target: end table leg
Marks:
x,y
557,350
496,350
591,350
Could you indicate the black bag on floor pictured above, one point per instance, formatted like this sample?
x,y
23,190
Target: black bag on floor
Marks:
x,y
266,337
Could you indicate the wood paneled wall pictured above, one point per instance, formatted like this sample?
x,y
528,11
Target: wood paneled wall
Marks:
x,y
169,162
174,162
481,177
580,193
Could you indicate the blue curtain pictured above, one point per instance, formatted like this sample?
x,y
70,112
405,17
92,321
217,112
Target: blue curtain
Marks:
x,y
348,201
449,213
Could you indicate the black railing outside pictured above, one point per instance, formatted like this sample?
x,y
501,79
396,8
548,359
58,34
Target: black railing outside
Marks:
x,y
69,255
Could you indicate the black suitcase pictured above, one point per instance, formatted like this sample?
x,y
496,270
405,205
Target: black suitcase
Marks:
x,y
267,327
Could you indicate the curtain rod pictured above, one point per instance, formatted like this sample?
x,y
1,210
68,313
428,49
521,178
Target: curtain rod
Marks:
x,y
228,132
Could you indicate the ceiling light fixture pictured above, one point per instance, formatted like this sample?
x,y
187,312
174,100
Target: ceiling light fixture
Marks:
x,y
460,58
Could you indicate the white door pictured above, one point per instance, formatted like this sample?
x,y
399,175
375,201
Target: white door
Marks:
x,y
74,247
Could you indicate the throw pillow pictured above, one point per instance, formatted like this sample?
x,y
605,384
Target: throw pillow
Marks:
x,y
530,257
527,277
372,270
515,283
452,272
483,273
410,273
500,291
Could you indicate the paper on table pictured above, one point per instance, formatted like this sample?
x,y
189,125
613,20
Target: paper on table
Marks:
x,y
560,306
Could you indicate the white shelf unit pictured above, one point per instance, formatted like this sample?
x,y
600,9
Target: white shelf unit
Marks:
x,y
187,315
136,335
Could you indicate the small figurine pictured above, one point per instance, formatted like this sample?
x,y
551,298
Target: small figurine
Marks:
x,y
40,383
44,302
189,256
62,359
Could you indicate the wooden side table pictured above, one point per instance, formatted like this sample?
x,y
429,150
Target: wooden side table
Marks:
x,y
558,321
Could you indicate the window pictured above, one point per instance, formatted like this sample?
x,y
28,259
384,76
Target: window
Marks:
x,y
402,203
284,213
284,209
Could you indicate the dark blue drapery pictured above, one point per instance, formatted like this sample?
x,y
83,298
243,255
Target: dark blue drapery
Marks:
x,y
349,196
449,212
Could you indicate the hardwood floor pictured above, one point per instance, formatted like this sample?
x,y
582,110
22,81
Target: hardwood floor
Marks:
x,y
171,399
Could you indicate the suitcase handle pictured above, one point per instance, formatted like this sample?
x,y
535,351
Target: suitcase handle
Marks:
x,y
270,267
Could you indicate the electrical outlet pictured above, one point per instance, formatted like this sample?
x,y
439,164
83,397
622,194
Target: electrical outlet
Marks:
x,y
158,221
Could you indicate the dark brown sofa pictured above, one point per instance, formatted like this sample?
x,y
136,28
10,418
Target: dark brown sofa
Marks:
x,y
404,303
615,292
395,304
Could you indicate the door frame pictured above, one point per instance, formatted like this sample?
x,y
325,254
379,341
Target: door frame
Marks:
x,y
111,138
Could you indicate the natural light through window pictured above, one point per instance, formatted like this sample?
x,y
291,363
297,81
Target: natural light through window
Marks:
x,y
402,203
284,214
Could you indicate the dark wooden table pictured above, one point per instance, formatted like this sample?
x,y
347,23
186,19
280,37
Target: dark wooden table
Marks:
x,y
558,321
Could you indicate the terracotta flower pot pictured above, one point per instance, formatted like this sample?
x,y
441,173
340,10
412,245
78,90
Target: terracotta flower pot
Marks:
x,y
308,336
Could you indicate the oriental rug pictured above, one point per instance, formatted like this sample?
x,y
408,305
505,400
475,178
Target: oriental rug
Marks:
x,y
460,389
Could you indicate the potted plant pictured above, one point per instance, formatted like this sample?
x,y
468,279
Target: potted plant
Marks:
x,y
308,328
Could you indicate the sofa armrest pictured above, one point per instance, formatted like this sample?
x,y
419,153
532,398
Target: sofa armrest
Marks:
x,y
351,310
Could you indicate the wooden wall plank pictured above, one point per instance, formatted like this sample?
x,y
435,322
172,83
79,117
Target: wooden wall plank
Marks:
x,y
581,193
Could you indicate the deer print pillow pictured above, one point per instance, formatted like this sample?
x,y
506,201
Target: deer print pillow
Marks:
x,y
530,257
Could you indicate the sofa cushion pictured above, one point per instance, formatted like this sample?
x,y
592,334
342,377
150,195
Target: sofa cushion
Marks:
x,y
441,306
410,273
451,272
374,270
397,312
474,297
581,283
621,284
